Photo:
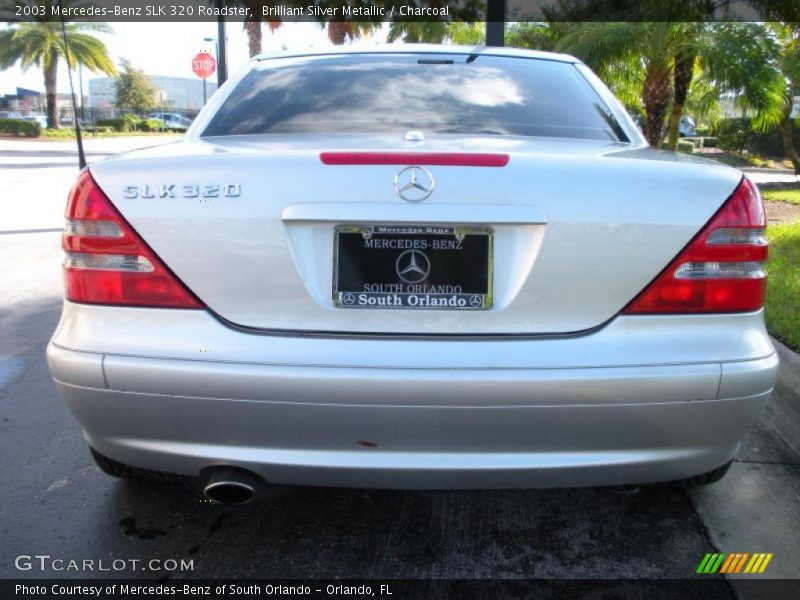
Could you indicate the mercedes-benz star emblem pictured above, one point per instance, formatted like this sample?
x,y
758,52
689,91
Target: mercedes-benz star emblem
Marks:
x,y
414,184
348,298
413,266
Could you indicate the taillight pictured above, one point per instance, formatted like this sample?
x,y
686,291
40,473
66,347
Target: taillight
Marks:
x,y
106,262
721,270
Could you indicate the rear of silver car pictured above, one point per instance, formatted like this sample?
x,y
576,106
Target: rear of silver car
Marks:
x,y
466,303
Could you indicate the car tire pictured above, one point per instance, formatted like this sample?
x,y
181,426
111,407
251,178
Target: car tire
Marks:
x,y
123,471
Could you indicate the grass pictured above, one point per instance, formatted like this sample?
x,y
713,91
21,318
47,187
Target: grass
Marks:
x,y
790,196
783,287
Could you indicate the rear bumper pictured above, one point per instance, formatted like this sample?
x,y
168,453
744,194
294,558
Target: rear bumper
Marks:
x,y
415,446
457,414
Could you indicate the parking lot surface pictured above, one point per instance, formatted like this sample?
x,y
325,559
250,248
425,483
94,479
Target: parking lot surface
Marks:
x,y
57,502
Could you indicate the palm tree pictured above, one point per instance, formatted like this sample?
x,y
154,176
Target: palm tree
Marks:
x,y
340,32
537,35
736,57
739,59
40,43
683,68
416,32
644,47
435,32
252,24
788,61
703,100
786,28
466,34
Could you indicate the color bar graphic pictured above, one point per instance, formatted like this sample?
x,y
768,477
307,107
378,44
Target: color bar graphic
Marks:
x,y
733,562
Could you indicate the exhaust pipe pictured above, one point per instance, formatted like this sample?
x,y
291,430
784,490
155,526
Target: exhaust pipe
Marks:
x,y
231,485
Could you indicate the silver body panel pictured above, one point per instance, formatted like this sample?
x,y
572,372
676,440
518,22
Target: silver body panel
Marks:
x,y
549,387
642,399
263,259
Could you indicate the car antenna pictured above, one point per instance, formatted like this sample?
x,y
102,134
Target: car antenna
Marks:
x,y
78,136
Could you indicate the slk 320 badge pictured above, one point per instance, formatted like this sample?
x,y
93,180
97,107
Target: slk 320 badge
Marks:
x,y
173,190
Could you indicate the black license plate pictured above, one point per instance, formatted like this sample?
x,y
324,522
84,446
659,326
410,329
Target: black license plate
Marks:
x,y
413,267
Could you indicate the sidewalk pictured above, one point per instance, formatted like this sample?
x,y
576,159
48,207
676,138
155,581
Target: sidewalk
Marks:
x,y
37,176
757,175
766,475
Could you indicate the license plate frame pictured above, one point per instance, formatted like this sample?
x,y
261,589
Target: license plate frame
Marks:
x,y
441,292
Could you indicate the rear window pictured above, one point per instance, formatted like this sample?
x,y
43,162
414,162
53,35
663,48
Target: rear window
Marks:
x,y
397,92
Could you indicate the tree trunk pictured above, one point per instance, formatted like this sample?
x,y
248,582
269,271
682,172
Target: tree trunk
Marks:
x,y
656,97
788,141
252,25
51,92
337,32
683,72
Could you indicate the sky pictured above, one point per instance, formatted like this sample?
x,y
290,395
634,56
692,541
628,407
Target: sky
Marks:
x,y
168,48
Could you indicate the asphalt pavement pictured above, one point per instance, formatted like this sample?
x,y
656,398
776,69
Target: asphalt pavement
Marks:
x,y
56,501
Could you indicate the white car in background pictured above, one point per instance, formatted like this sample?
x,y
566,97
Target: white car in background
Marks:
x,y
40,119
413,267
172,120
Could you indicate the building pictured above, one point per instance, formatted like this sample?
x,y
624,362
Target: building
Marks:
x,y
30,102
24,100
179,93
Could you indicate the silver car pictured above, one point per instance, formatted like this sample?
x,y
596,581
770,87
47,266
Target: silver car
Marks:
x,y
413,267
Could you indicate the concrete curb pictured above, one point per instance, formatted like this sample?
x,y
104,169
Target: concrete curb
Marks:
x,y
765,170
786,399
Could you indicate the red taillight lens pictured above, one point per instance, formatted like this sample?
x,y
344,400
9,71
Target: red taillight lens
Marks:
x,y
106,262
721,270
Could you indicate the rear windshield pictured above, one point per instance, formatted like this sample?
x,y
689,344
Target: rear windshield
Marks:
x,y
397,92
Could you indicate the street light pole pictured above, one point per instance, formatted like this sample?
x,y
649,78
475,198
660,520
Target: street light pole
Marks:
x,y
222,68
495,22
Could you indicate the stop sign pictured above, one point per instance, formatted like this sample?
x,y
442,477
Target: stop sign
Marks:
x,y
204,65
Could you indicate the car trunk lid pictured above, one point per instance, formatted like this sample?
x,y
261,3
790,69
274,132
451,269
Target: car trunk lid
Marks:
x,y
578,227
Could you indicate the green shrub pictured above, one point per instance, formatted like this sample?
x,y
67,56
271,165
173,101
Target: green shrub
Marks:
x,y
117,124
709,142
706,141
150,125
124,124
737,135
98,128
685,146
734,135
132,122
20,127
702,131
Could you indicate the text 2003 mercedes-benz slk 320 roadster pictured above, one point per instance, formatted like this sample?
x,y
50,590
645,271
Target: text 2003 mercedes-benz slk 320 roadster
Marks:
x,y
413,267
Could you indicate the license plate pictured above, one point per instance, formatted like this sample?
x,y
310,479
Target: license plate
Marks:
x,y
412,267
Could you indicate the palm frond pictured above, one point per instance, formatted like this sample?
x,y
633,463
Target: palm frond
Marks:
x,y
743,59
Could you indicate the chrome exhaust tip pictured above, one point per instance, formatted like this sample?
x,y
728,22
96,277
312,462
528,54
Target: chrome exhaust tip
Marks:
x,y
232,486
